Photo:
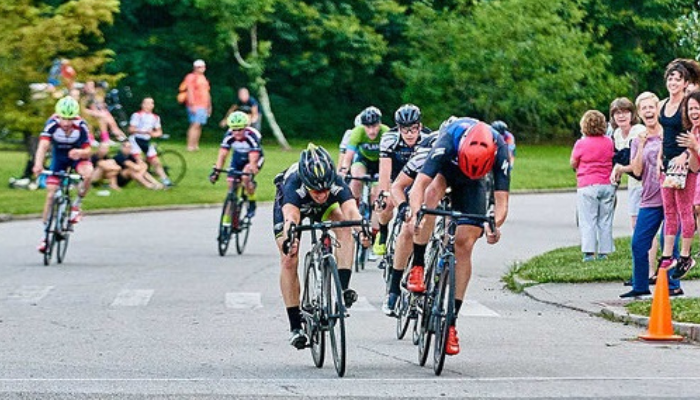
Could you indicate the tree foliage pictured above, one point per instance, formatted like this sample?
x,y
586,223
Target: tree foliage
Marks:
x,y
32,34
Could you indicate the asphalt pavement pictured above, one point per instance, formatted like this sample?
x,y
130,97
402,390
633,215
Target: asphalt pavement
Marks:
x,y
144,306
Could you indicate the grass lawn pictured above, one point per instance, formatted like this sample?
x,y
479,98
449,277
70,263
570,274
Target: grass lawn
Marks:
x,y
565,265
684,310
537,167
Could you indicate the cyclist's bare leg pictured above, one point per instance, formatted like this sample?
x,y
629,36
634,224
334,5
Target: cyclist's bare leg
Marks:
x,y
433,194
357,169
158,167
50,192
384,216
85,170
465,238
403,248
289,278
247,181
343,253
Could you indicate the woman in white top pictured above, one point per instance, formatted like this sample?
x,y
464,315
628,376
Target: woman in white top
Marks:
x,y
623,117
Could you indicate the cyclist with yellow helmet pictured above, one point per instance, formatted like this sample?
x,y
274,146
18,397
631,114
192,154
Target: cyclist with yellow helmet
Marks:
x,y
246,144
68,137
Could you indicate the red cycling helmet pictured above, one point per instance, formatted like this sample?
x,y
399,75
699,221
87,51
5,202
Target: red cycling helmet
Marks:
x,y
477,151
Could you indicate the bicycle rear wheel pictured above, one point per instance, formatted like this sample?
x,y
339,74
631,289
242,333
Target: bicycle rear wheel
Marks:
x,y
174,164
310,305
360,254
335,312
443,314
243,226
62,231
224,237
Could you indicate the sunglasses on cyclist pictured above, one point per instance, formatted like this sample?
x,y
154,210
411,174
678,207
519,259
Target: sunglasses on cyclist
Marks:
x,y
406,129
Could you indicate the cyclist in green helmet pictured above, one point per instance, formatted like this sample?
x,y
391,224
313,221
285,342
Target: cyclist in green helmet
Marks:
x,y
68,136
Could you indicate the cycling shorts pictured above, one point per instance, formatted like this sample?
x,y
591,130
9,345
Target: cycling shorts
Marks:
x,y
372,167
62,164
139,146
468,196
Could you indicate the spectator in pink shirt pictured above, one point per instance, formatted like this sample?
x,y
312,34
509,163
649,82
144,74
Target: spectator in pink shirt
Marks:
x,y
592,159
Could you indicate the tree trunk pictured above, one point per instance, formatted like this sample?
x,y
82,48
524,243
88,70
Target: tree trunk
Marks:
x,y
263,95
265,103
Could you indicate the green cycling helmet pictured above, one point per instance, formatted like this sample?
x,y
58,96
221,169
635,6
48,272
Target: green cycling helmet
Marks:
x,y
237,120
67,108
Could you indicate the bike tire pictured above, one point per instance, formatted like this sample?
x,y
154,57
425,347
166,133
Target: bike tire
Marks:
x,y
445,305
402,314
48,232
62,231
224,238
415,332
357,254
244,226
425,329
335,309
310,302
174,164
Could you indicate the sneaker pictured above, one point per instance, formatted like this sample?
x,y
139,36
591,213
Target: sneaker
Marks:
x,y
634,293
452,345
251,210
379,248
675,292
684,265
298,339
602,256
42,246
350,297
390,304
167,182
416,283
588,257
75,215
627,282
666,263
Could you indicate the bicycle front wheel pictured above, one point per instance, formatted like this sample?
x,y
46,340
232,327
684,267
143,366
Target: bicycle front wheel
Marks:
x,y
62,231
244,225
402,314
335,309
360,254
310,306
225,229
444,313
174,164
49,232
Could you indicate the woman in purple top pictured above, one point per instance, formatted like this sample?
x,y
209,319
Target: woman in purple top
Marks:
x,y
644,157
678,203
595,197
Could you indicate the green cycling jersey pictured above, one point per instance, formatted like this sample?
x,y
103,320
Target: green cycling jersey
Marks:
x,y
361,144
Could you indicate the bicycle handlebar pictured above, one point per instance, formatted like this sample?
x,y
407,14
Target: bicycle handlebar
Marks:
x,y
363,178
62,174
233,171
324,226
489,219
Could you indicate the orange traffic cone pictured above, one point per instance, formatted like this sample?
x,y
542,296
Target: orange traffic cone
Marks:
x,y
660,322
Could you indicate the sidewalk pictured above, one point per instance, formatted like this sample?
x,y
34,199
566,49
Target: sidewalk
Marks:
x,y
602,299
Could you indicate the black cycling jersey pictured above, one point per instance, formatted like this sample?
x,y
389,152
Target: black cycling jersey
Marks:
x,y
394,147
415,163
291,190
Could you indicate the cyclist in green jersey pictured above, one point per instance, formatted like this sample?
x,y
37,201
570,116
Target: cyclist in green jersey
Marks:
x,y
362,155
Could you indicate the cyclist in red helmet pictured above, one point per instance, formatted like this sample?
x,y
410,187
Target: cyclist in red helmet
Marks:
x,y
472,158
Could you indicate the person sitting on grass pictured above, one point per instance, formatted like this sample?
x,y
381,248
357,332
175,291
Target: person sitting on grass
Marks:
x,y
133,168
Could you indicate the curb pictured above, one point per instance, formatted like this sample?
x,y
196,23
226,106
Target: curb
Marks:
x,y
619,314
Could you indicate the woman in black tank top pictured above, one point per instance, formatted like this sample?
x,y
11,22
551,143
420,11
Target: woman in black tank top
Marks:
x,y
678,202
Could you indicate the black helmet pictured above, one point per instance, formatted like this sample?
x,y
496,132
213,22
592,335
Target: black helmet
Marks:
x,y
500,126
316,168
407,114
371,115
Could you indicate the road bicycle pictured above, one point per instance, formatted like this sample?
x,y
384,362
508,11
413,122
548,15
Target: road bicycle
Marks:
x,y
437,310
322,306
174,163
361,253
235,207
58,227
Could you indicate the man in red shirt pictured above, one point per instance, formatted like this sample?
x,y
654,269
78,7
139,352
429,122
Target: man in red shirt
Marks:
x,y
198,103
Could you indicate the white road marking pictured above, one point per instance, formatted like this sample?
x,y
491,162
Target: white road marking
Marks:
x,y
29,294
241,300
133,298
362,305
472,308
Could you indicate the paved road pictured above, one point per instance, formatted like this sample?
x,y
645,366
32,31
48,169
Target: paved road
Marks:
x,y
145,306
